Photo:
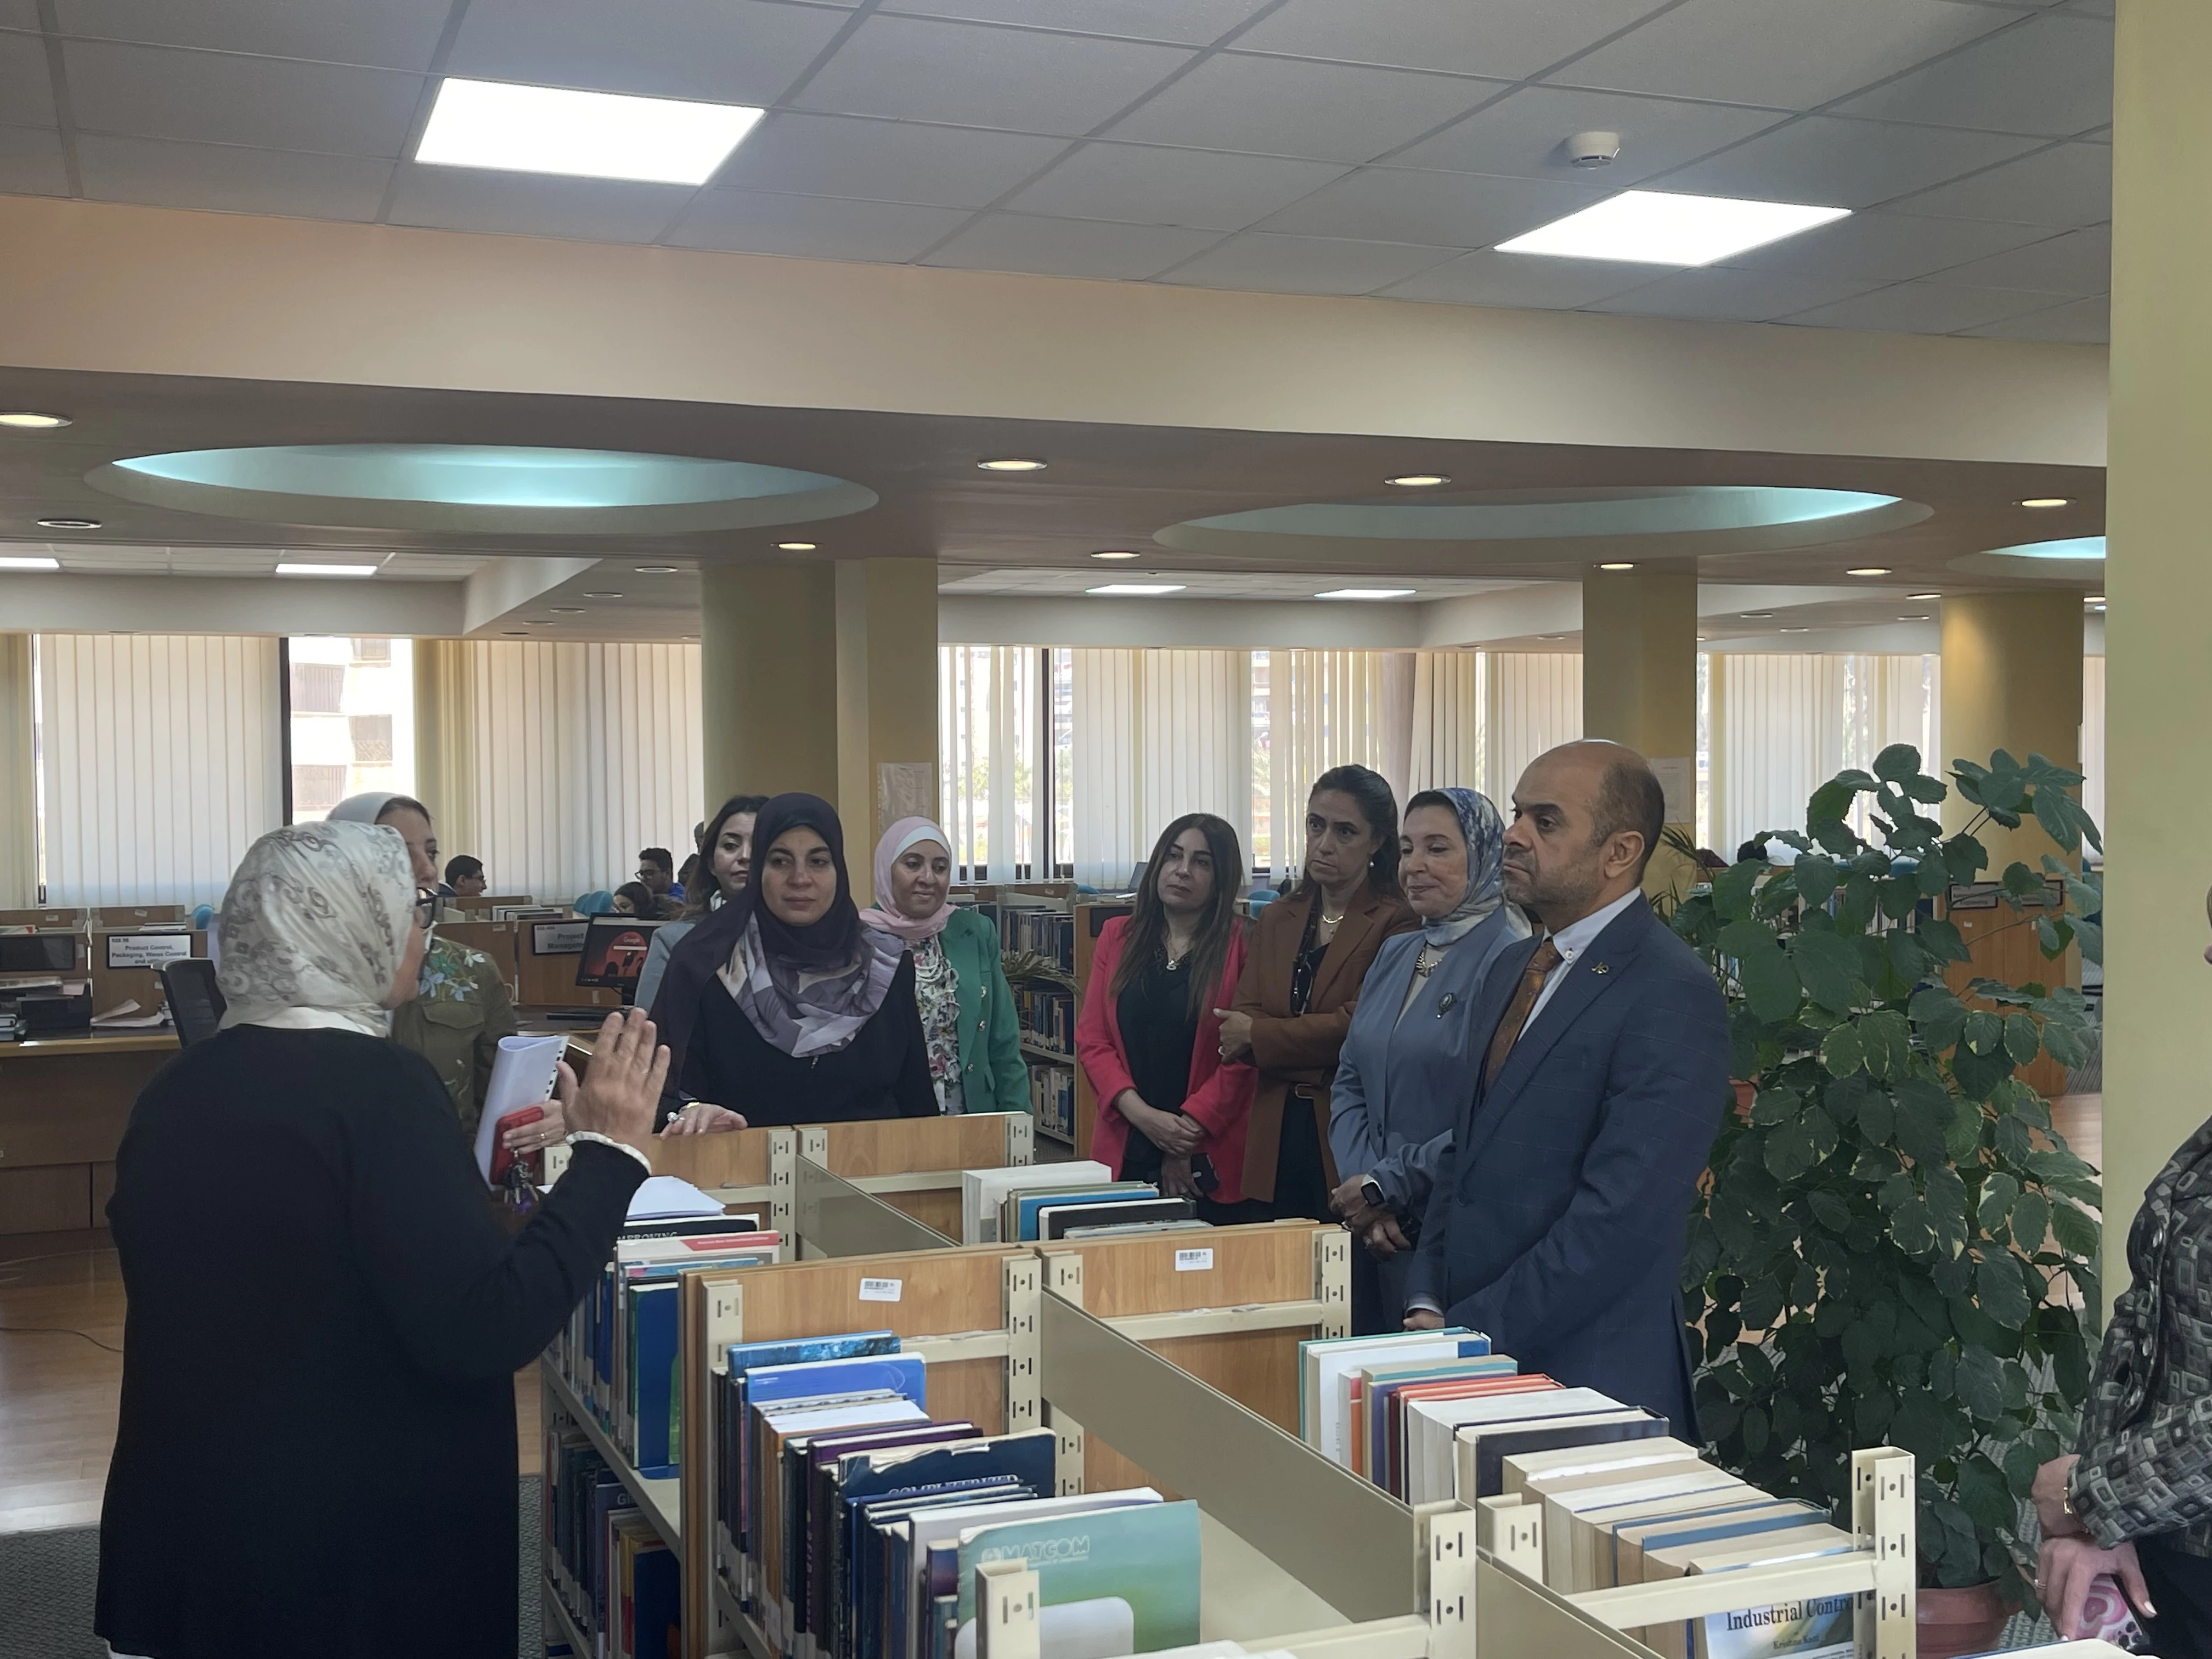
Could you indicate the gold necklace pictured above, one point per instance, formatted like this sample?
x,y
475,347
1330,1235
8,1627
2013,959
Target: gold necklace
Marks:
x,y
1425,964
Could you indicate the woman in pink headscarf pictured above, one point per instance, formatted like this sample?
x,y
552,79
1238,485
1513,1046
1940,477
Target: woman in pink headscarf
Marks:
x,y
967,1008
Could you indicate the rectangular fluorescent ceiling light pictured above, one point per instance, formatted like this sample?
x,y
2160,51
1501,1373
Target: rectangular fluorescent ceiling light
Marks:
x,y
1138,590
1656,227
1366,593
326,570
29,563
583,135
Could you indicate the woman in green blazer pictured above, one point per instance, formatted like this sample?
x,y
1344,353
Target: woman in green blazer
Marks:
x,y
975,1036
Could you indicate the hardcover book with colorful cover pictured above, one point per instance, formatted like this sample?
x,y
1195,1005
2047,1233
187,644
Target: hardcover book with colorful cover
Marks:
x,y
1483,1449
1321,1419
1110,1581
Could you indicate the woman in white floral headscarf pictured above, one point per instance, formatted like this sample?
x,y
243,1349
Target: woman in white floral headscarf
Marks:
x,y
325,1317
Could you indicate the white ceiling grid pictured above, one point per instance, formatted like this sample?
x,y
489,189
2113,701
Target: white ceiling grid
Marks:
x,y
1303,146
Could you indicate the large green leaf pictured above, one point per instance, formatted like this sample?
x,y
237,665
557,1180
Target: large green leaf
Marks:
x,y
1732,888
1885,1039
2021,1042
1964,857
1997,1287
1912,1227
1816,878
1896,763
2077,1234
1772,1106
1877,1117
1939,1017
2065,820
1982,1492
1908,962
1828,967
1924,1113
1832,1211
1769,984
1842,1052
1941,941
1998,1192
1984,1031
1979,1383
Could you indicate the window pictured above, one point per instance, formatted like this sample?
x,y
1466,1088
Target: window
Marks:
x,y
352,726
1000,713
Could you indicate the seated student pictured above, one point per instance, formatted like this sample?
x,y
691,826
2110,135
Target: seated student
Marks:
x,y
656,868
635,898
464,878
782,1007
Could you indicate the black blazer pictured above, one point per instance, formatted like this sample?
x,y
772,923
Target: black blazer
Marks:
x,y
316,1448
1558,1219
884,1071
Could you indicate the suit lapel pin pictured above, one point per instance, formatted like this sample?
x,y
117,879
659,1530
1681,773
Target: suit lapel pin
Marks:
x,y
1597,968
1446,1003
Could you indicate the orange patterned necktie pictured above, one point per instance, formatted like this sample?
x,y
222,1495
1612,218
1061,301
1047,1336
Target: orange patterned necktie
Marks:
x,y
1516,1013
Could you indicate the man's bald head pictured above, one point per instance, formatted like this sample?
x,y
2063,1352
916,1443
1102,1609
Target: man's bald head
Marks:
x,y
1587,818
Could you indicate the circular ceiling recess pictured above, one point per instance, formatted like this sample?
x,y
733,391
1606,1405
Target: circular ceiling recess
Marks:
x,y
1552,526
2071,559
480,489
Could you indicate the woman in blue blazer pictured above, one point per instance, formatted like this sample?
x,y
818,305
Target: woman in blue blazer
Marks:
x,y
1408,1060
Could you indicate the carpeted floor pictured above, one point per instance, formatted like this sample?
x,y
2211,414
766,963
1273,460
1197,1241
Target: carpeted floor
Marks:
x,y
46,1581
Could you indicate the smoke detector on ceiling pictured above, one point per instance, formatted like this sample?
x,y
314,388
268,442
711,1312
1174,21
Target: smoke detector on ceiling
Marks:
x,y
1593,150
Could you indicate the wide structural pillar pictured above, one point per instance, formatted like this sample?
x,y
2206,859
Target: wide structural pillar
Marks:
x,y
886,701
2012,680
1640,686
2158,686
768,676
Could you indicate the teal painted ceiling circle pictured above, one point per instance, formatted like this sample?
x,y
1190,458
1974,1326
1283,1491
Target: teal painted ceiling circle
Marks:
x,y
1527,526
481,487
2070,548
1586,514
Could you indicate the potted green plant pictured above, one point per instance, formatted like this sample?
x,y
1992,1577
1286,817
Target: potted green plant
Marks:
x,y
1894,1245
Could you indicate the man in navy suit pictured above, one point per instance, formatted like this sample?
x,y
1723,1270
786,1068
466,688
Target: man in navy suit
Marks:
x,y
1556,1221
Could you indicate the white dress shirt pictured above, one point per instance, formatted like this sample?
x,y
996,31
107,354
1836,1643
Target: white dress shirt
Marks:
x,y
1572,940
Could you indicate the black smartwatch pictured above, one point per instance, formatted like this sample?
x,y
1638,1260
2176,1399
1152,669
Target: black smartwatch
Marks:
x,y
1370,1193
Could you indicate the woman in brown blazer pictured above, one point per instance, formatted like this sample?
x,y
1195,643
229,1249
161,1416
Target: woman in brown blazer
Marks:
x,y
1308,952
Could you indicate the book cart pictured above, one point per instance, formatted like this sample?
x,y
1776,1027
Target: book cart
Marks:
x,y
1171,1359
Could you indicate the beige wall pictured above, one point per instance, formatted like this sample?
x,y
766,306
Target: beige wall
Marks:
x,y
768,663
2012,680
150,290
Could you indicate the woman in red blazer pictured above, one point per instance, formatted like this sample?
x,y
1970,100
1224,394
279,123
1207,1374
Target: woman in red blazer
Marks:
x,y
1170,1109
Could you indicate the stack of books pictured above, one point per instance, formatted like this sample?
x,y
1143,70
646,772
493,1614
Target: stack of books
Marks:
x,y
854,1521
620,1350
1431,1416
610,1570
1044,1202
1028,930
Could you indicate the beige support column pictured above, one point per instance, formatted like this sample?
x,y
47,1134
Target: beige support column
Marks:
x,y
444,740
768,672
1640,688
2012,680
19,798
2158,685
886,702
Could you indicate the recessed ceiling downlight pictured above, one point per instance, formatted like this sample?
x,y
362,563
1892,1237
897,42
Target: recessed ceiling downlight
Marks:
x,y
795,547
658,570
68,524
582,134
1366,593
1660,227
1115,553
1138,590
1418,480
1012,464
1616,564
326,570
1868,570
31,420
2044,503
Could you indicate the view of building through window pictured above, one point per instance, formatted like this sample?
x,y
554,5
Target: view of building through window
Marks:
x,y
353,719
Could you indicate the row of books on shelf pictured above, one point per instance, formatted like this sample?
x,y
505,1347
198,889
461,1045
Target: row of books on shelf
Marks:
x,y
1434,1415
620,1349
1024,1203
853,1520
1036,931
620,1583
1047,1017
1052,1101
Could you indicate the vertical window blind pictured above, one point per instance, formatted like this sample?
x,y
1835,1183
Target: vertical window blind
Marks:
x,y
583,753
160,761
1156,734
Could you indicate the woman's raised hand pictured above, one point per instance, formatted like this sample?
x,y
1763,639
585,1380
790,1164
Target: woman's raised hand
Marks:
x,y
620,1090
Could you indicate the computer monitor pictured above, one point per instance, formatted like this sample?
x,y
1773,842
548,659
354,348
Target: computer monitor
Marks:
x,y
614,953
38,953
196,1002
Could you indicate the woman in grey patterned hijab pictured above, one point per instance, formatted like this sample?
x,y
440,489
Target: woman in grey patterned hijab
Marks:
x,y
318,922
